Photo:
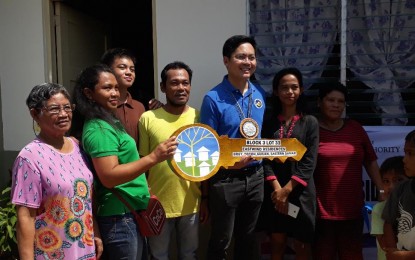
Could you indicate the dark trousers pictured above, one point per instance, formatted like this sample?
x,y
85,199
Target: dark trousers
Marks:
x,y
339,239
235,198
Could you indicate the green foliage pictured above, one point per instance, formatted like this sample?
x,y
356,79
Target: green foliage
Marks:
x,y
8,219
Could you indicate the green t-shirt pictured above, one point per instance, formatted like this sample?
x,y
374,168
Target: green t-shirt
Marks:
x,y
100,139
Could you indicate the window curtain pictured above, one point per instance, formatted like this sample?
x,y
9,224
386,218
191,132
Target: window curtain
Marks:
x,y
381,51
293,33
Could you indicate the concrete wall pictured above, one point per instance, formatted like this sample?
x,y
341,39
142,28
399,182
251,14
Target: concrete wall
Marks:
x,y
189,30
194,31
22,66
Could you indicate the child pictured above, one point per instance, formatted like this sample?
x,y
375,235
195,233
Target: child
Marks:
x,y
399,212
392,172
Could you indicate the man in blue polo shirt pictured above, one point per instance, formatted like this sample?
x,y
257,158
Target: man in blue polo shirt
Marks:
x,y
235,108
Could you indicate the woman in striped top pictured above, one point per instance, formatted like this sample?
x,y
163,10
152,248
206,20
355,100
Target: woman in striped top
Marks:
x,y
344,148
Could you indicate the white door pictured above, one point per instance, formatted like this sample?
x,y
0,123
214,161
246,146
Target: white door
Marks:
x,y
80,42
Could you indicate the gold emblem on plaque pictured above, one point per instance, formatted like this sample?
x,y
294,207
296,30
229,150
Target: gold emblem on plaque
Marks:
x,y
249,128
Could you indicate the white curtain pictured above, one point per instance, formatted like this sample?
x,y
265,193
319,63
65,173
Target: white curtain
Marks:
x,y
381,50
293,33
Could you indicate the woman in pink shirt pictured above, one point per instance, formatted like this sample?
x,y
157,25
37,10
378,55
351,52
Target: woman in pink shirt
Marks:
x,y
52,185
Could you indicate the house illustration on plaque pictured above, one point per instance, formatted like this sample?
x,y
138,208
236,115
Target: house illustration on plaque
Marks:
x,y
203,153
178,155
215,157
189,159
204,168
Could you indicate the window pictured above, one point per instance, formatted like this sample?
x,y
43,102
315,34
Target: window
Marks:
x,y
367,45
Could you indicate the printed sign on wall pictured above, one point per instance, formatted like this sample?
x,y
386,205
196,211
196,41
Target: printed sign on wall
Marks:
x,y
387,141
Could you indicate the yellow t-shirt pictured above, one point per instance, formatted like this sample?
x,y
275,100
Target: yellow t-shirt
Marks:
x,y
179,197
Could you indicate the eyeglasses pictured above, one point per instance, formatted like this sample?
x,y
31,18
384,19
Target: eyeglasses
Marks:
x,y
55,110
243,57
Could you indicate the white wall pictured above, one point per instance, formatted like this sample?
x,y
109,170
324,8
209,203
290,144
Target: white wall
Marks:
x,y
194,31
22,66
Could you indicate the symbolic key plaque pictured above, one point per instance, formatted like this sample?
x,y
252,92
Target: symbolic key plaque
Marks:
x,y
201,152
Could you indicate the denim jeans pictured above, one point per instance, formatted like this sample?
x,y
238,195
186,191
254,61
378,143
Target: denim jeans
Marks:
x,y
187,237
235,198
121,238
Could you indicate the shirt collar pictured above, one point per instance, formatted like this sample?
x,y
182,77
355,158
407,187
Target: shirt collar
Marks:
x,y
128,102
229,87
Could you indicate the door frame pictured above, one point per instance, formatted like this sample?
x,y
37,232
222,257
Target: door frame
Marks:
x,y
49,45
145,86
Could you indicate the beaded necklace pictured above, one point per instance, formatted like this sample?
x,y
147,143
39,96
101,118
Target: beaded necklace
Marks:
x,y
239,108
290,128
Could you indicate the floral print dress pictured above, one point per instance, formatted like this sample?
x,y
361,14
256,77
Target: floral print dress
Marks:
x,y
59,186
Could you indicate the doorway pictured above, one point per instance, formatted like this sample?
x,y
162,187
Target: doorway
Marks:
x,y
85,29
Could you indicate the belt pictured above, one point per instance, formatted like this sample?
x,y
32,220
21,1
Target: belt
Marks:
x,y
243,171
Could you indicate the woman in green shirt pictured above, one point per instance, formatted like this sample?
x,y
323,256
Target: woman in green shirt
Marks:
x,y
116,161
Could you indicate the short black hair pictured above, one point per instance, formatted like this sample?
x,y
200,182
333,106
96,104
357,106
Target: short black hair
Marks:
x,y
336,86
394,163
233,43
175,65
110,55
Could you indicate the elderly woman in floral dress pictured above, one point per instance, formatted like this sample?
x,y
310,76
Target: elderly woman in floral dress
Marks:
x,y
52,185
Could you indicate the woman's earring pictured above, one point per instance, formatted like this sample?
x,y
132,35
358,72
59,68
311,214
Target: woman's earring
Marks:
x,y
36,127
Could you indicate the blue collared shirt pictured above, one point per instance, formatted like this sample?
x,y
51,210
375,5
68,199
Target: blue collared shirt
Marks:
x,y
220,111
